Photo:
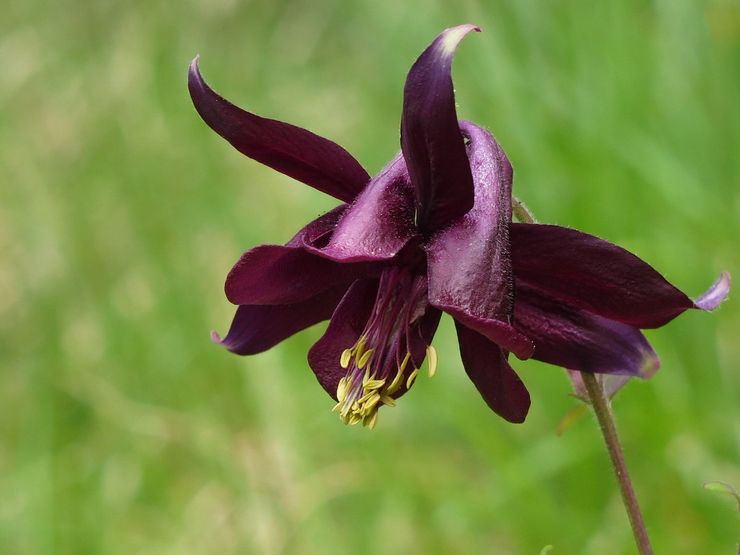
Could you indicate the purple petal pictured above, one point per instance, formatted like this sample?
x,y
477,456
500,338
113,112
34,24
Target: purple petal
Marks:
x,y
575,339
258,328
468,262
430,139
502,333
496,381
298,153
318,231
379,223
587,272
344,330
421,335
717,293
274,274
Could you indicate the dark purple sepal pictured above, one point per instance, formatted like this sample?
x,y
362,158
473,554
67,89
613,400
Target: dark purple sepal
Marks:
x,y
584,271
574,338
345,327
487,367
318,232
468,262
276,274
378,224
258,328
430,139
296,152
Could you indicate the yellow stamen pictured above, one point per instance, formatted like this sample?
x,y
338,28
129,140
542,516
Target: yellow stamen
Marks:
x,y
412,377
362,400
345,358
388,400
342,389
373,384
362,361
371,420
396,383
432,358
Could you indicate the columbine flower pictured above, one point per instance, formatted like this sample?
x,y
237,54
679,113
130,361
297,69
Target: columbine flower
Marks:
x,y
431,233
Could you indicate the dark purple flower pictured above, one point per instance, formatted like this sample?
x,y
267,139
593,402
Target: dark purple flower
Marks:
x,y
431,233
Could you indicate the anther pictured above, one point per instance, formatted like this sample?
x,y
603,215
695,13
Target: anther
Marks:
x,y
432,358
412,377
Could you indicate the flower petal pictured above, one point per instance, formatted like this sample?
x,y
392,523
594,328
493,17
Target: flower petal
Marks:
x,y
318,231
421,334
296,152
487,367
595,275
430,139
258,328
578,340
344,330
468,262
379,223
717,293
276,274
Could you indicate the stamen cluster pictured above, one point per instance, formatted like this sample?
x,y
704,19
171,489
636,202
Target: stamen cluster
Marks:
x,y
379,365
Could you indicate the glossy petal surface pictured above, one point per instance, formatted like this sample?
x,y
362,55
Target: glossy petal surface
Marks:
x,y
576,339
276,274
258,328
487,367
584,271
378,224
430,138
469,268
296,152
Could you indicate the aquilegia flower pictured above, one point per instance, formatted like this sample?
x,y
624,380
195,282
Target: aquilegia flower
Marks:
x,y
432,233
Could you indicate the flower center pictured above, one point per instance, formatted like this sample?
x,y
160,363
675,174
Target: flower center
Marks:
x,y
380,366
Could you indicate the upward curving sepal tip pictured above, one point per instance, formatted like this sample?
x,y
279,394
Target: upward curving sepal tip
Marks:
x,y
716,294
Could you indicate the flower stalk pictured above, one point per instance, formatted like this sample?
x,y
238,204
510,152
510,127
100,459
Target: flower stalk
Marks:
x,y
605,418
609,431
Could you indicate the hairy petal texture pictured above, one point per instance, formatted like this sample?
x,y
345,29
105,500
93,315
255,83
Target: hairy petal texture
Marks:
x,y
430,138
578,340
378,224
587,272
487,367
296,152
258,328
469,269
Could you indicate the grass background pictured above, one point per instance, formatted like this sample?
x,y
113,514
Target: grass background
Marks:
x,y
125,431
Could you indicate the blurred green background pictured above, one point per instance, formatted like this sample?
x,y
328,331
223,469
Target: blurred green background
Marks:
x,y
125,431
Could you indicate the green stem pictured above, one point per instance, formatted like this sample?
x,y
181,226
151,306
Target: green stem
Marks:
x,y
609,431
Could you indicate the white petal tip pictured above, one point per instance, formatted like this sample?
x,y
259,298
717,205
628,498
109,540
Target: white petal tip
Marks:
x,y
451,37
717,293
